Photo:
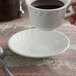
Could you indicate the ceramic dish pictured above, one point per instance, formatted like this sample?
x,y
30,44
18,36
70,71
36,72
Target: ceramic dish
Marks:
x,y
35,43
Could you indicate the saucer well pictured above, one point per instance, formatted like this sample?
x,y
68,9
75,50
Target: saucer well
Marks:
x,y
35,43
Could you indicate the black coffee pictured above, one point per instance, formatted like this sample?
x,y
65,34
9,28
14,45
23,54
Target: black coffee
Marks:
x,y
47,4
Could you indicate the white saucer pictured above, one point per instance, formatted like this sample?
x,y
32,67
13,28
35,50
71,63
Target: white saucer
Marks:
x,y
38,44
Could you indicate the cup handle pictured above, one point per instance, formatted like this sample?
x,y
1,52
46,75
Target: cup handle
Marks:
x,y
71,13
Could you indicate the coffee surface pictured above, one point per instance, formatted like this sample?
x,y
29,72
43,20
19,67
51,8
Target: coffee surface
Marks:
x,y
47,4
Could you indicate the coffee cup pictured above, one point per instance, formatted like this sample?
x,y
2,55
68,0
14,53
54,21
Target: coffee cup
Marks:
x,y
48,19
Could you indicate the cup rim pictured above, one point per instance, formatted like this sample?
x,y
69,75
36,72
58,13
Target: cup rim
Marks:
x,y
65,6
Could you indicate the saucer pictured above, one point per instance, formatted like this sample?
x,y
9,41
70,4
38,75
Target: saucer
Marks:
x,y
35,43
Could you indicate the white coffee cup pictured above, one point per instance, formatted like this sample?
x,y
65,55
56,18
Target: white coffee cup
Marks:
x,y
48,19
